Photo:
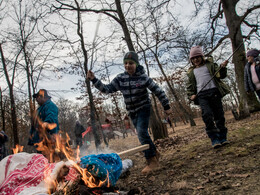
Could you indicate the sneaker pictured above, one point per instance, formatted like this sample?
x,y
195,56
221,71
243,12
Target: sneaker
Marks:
x,y
224,142
216,144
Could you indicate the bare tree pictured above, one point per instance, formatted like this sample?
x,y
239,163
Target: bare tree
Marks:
x,y
235,23
3,109
10,83
116,14
85,54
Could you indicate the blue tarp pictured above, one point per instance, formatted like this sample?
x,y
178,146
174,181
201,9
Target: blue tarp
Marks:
x,y
102,164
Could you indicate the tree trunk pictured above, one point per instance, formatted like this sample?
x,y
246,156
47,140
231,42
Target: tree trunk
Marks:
x,y
239,58
253,103
92,106
12,101
31,106
2,110
187,114
153,118
157,124
124,26
159,131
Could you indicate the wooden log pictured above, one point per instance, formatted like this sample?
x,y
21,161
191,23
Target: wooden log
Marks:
x,y
133,150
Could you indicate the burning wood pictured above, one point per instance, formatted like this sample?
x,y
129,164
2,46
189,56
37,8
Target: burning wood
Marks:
x,y
59,166
31,173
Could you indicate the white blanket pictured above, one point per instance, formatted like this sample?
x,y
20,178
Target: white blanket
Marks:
x,y
26,174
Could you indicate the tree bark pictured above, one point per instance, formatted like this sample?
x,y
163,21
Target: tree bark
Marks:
x,y
159,130
2,110
157,127
124,26
187,114
12,101
91,101
239,58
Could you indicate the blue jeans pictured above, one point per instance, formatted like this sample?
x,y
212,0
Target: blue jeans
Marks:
x,y
140,120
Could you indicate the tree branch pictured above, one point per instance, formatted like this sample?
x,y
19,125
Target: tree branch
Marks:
x,y
248,11
65,6
218,44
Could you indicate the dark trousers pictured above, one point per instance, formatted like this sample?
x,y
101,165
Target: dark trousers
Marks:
x,y
213,114
79,140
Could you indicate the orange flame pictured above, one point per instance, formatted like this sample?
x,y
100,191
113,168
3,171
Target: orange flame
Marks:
x,y
78,153
56,147
17,149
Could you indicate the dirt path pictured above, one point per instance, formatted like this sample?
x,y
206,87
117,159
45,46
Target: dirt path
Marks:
x,y
190,166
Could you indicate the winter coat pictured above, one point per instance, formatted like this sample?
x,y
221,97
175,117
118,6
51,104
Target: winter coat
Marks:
x,y
48,112
134,89
212,67
248,83
79,129
3,139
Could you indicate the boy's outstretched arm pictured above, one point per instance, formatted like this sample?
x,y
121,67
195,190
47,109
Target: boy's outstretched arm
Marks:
x,y
90,75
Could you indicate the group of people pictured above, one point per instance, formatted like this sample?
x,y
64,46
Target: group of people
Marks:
x,y
204,87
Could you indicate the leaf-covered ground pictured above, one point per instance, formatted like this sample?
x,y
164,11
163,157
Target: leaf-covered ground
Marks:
x,y
189,165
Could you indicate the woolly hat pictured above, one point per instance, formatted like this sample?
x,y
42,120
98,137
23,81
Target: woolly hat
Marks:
x,y
253,52
41,92
196,51
131,55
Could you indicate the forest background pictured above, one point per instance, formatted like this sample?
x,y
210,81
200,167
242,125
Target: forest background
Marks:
x,y
51,44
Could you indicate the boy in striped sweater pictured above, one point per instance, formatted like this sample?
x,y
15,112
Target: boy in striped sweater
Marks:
x,y
133,84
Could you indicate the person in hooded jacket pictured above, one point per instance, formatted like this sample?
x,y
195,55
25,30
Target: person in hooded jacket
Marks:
x,y
133,84
252,72
206,89
46,119
78,130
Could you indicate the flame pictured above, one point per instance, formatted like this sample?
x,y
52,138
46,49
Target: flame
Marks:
x,y
78,153
17,149
55,148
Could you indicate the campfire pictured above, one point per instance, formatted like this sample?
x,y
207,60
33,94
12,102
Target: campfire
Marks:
x,y
60,169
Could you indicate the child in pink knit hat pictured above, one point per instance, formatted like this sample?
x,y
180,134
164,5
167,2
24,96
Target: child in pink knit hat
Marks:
x,y
206,89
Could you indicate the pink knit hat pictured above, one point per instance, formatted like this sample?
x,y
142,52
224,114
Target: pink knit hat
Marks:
x,y
196,51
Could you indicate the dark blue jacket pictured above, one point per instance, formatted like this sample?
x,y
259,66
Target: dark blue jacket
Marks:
x,y
48,112
134,89
249,85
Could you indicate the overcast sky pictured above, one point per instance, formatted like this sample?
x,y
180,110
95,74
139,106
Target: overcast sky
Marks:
x,y
61,88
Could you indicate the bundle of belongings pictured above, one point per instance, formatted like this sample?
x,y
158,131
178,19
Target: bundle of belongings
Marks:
x,y
30,174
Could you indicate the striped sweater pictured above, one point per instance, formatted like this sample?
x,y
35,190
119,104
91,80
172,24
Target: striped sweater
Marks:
x,y
134,89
